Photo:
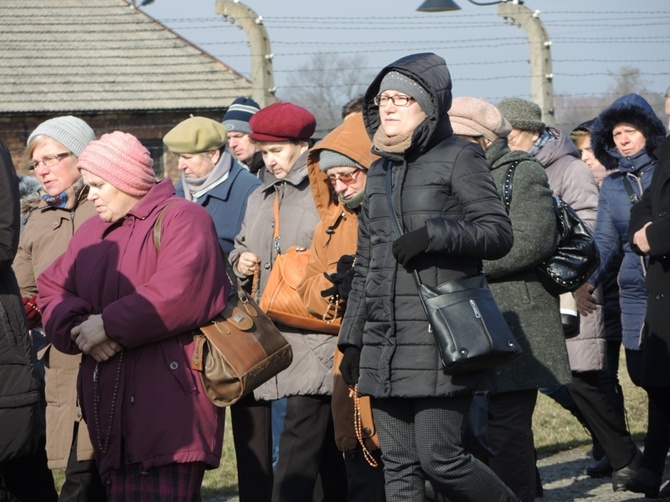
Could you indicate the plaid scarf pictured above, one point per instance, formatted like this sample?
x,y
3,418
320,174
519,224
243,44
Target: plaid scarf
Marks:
x,y
545,137
67,199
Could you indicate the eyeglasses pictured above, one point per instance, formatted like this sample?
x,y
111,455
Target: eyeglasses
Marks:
x,y
345,178
48,160
397,100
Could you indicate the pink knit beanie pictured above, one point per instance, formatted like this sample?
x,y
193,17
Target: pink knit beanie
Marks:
x,y
120,159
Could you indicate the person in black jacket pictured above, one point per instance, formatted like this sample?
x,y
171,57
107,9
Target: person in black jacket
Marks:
x,y
20,391
649,236
452,218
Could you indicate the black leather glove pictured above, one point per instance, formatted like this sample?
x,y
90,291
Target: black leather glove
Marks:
x,y
341,279
409,245
345,263
349,367
341,284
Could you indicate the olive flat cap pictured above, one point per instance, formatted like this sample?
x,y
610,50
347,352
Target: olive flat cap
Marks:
x,y
195,135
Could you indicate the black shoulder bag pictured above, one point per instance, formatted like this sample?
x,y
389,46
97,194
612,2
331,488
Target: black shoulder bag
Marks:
x,y
470,331
576,256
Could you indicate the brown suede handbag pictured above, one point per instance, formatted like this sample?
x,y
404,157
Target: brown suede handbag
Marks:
x,y
239,349
280,299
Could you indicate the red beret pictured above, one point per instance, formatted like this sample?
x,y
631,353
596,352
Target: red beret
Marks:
x,y
282,122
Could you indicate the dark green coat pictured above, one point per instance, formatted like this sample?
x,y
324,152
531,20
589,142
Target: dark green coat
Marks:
x,y
531,312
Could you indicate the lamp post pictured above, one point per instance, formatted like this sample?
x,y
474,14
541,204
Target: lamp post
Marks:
x,y
541,78
262,77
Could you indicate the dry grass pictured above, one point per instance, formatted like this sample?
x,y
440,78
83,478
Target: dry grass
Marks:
x,y
222,481
555,430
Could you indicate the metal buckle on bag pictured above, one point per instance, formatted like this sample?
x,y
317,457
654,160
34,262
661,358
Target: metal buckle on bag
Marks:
x,y
475,309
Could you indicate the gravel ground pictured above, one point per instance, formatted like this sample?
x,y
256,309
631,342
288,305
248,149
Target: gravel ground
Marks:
x,y
563,480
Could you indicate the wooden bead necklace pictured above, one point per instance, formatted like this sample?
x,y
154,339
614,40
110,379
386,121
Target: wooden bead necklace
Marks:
x,y
104,445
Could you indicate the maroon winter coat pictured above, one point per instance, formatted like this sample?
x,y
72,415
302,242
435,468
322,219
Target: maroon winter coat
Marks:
x,y
149,301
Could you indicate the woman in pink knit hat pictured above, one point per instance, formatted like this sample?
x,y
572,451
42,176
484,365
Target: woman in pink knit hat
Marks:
x,y
114,296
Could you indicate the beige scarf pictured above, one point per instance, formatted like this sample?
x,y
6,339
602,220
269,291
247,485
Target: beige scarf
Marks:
x,y
396,144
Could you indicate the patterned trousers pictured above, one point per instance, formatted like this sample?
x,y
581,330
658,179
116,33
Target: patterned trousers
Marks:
x,y
421,439
167,483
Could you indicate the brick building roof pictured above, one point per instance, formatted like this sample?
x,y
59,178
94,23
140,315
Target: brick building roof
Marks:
x,y
103,55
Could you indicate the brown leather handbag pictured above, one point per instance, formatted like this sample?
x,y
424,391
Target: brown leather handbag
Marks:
x,y
280,299
240,348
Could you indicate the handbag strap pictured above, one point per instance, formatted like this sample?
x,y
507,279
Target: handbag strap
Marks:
x,y
158,225
158,231
394,218
507,184
275,246
275,234
632,196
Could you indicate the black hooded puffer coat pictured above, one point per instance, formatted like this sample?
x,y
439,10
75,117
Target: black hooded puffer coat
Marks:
x,y
614,205
440,182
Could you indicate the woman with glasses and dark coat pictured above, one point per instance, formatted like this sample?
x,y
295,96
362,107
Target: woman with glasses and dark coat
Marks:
x,y
446,201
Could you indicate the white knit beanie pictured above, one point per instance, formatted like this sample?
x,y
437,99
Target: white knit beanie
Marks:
x,y
71,132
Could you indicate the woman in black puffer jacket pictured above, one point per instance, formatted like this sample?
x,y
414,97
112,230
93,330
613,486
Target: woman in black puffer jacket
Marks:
x,y
447,204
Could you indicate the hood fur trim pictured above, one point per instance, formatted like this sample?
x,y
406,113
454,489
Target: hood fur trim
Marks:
x,y
631,108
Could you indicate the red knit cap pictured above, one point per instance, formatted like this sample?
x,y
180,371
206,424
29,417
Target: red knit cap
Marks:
x,y
282,122
120,159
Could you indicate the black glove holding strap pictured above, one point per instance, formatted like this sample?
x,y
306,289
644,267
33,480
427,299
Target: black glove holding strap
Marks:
x,y
341,279
410,244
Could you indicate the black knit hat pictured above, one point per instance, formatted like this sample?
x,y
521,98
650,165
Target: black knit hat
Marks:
x,y
396,81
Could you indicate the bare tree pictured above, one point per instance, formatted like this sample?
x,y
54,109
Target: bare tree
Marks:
x,y
572,110
325,84
626,81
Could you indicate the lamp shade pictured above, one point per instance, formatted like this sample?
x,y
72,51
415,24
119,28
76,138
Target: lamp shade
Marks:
x,y
438,6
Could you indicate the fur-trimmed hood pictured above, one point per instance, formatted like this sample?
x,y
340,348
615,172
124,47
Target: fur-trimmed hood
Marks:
x,y
29,191
631,108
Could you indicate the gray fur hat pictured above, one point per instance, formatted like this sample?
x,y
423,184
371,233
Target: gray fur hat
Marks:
x,y
522,114
71,132
402,83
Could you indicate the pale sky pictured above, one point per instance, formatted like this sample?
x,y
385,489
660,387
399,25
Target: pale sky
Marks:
x,y
486,58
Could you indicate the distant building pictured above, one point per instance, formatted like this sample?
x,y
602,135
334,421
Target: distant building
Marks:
x,y
108,63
